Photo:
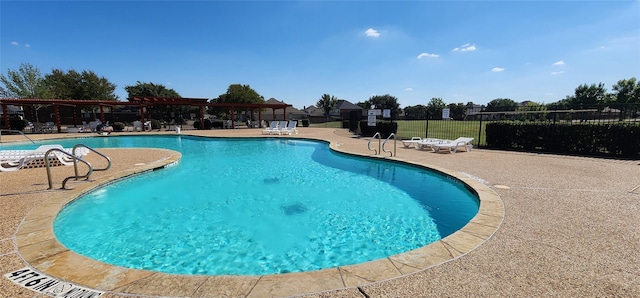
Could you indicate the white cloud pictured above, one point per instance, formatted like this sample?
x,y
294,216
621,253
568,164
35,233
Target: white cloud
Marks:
x,y
557,72
558,63
467,47
427,55
26,45
168,83
497,69
15,43
372,32
408,89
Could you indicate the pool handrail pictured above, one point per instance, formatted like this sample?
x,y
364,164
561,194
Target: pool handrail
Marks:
x,y
75,159
379,137
14,130
392,153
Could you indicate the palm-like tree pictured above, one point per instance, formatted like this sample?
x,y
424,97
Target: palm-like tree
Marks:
x,y
327,103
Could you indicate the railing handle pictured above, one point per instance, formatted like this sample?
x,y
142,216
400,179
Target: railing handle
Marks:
x,y
391,153
379,140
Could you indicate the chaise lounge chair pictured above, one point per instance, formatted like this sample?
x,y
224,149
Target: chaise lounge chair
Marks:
x,y
429,143
415,140
273,128
453,146
13,160
289,128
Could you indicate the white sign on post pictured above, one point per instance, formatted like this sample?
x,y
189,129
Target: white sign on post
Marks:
x,y
371,120
386,113
445,114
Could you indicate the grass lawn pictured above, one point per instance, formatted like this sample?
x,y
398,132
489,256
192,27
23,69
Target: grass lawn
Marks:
x,y
441,129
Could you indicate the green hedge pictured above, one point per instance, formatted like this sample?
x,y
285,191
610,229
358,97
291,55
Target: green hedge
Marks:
x,y
385,128
118,126
585,139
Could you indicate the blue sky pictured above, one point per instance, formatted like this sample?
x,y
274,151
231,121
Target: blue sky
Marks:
x,y
295,51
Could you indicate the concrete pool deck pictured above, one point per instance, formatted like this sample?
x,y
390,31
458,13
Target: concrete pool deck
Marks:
x,y
561,226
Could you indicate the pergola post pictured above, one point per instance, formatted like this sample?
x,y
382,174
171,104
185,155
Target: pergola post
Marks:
x,y
56,110
201,117
5,116
75,117
102,114
233,116
142,113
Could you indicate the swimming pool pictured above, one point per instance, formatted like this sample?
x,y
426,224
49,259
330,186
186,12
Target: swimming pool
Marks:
x,y
313,209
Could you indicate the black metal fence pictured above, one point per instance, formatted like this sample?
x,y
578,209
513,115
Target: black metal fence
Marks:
x,y
473,122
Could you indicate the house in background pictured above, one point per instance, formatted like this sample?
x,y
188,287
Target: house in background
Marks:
x,y
291,112
341,111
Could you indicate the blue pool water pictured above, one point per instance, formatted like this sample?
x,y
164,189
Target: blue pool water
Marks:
x,y
260,206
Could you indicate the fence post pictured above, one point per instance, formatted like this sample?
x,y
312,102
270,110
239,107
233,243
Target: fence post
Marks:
x,y
480,129
426,130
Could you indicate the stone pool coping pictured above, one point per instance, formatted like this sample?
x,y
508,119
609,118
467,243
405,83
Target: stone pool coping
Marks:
x,y
39,248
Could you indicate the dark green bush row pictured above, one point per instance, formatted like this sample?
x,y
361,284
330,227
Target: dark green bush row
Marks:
x,y
118,126
385,128
17,124
584,139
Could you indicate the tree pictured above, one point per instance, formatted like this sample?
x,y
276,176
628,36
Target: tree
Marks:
x,y
26,82
85,85
626,91
590,95
141,89
327,103
237,93
435,106
457,110
385,102
149,90
415,112
501,104
364,105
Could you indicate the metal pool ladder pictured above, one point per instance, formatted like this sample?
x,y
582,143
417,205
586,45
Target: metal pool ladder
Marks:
x,y
12,131
391,153
75,159
375,136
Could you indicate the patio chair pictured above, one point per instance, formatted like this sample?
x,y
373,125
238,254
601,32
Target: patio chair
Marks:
x,y
453,146
13,160
289,128
273,128
137,125
429,143
413,141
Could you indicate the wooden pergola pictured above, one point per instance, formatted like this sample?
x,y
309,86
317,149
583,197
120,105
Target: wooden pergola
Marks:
x,y
142,102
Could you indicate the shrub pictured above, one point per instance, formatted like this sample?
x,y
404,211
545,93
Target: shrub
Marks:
x,y
385,128
305,122
18,124
585,139
155,124
118,126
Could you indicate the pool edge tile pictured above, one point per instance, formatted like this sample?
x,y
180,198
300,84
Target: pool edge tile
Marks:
x,y
299,282
369,272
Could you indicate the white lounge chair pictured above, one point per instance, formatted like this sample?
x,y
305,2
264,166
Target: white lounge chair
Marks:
x,y
13,160
415,140
429,143
289,128
453,146
273,128
137,125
